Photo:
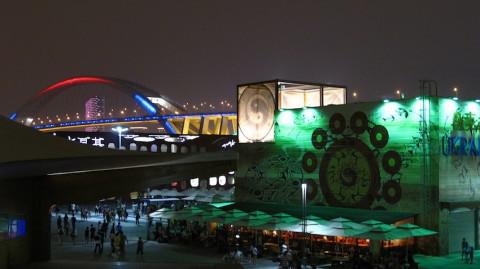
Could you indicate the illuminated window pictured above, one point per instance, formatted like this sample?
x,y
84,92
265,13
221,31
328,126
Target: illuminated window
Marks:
x,y
222,180
163,148
194,182
212,181
133,146
334,96
292,99
153,148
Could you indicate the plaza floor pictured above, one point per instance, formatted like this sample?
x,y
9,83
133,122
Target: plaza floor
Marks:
x,y
158,255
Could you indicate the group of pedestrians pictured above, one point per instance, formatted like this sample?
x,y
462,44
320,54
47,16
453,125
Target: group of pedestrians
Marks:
x,y
96,235
66,227
467,252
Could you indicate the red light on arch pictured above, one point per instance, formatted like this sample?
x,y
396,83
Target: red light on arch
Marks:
x,y
75,81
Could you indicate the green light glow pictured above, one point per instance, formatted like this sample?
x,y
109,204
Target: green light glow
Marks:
x,y
286,118
449,106
473,108
309,115
389,108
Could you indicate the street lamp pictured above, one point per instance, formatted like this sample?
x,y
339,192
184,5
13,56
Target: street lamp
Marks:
x,y
304,217
455,90
119,130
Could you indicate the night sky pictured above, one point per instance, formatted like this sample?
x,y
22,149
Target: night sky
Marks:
x,y
190,50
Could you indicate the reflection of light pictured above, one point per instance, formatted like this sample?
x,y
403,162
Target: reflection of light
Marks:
x,y
455,98
478,100
231,172
309,115
386,100
144,139
449,106
286,117
194,182
389,108
473,108
212,181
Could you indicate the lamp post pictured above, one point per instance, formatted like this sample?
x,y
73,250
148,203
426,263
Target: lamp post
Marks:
x,y
119,130
304,213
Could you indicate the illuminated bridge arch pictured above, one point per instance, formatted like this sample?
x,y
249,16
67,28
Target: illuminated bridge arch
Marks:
x,y
134,90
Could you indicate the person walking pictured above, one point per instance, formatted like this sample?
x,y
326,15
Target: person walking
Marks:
x,y
67,228
119,227
254,253
87,235
59,222
471,252
464,248
137,218
73,219
112,243
60,235
140,246
123,240
97,244
92,232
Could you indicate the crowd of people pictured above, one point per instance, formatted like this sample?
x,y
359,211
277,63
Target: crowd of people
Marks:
x,y
96,235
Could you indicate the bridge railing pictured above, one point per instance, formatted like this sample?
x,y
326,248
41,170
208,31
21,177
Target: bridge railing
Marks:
x,y
192,124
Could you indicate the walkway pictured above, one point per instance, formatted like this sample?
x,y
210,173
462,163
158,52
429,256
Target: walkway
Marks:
x,y
80,255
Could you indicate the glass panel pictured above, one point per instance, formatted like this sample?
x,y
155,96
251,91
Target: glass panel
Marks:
x,y
290,99
312,98
333,96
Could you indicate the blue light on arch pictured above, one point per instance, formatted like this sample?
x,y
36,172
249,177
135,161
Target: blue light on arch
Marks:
x,y
147,105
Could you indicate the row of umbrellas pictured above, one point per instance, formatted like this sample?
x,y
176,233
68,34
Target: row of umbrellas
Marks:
x,y
370,229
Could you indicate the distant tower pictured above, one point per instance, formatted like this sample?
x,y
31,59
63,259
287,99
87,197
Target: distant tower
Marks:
x,y
94,109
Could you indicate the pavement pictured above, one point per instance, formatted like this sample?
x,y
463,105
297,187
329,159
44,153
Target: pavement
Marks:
x,y
67,254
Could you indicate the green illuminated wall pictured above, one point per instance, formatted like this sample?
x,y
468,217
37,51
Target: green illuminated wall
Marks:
x,y
349,169
431,156
459,156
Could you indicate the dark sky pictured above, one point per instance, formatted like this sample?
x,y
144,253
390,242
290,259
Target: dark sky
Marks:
x,y
203,49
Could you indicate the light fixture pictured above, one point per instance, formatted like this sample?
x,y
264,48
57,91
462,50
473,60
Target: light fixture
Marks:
x,y
194,182
119,130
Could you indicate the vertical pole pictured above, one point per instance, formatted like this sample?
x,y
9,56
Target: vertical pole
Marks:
x,y
475,227
304,211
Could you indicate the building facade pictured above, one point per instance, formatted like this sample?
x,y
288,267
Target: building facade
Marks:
x,y
417,155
